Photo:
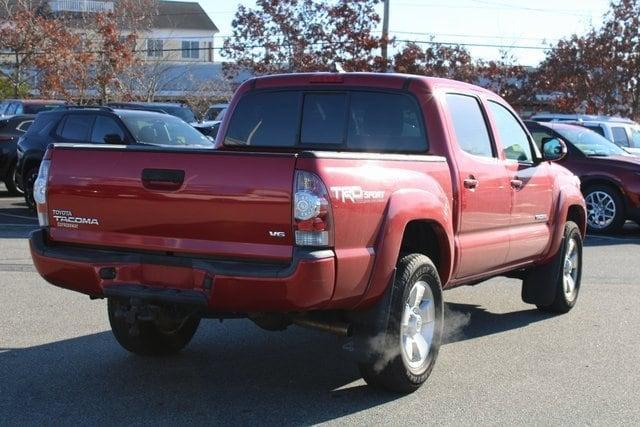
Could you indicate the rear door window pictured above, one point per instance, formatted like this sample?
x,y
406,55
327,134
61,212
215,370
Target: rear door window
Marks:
x,y
620,136
469,125
265,119
76,127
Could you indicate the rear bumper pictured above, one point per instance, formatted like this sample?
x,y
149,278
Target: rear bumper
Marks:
x,y
222,286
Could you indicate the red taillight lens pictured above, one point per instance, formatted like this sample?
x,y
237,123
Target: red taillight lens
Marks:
x,y
311,211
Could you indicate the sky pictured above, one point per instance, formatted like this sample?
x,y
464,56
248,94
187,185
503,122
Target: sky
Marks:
x,y
523,27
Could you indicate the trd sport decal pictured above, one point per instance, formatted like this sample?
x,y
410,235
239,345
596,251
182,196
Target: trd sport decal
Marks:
x,y
356,194
67,220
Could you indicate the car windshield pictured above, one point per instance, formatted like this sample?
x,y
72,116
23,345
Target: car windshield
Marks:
x,y
183,112
36,108
590,143
164,130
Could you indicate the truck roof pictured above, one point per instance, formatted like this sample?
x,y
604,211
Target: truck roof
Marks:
x,y
381,80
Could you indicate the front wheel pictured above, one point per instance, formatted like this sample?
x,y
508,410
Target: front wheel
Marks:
x,y
150,338
404,352
605,209
566,283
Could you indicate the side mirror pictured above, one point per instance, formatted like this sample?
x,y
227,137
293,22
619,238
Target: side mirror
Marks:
x,y
113,138
553,149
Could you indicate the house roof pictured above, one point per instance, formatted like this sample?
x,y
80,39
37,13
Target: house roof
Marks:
x,y
170,15
187,15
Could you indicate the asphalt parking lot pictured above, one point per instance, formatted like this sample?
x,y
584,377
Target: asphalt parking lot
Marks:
x,y
503,363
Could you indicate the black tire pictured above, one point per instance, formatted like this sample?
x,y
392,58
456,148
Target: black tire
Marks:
x,y
619,218
387,367
11,184
562,301
150,341
28,183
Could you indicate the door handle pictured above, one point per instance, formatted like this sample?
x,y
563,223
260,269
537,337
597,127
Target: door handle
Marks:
x,y
162,179
517,183
471,183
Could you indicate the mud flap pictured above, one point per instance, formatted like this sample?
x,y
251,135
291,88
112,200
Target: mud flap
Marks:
x,y
368,324
539,286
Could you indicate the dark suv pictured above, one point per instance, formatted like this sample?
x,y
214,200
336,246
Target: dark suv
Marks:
x,y
97,125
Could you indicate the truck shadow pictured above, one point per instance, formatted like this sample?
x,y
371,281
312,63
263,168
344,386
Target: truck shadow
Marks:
x,y
230,374
468,321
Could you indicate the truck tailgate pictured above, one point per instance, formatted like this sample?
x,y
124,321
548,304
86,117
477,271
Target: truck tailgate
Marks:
x,y
214,203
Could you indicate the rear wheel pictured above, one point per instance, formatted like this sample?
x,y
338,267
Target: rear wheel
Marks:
x,y
405,351
166,334
10,182
605,209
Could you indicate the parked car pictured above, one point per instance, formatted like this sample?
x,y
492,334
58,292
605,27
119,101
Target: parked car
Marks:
x,y
208,128
11,128
15,107
215,112
182,111
625,134
99,125
610,176
341,202
622,132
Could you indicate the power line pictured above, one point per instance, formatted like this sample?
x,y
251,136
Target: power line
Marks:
x,y
489,7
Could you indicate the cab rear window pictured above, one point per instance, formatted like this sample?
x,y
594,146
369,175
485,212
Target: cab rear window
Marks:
x,y
331,120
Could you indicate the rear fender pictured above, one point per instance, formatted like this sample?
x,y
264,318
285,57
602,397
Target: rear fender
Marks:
x,y
405,206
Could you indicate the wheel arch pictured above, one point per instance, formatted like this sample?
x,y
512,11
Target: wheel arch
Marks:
x,y
409,211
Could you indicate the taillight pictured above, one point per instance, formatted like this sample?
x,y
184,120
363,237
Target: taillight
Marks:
x,y
40,193
311,211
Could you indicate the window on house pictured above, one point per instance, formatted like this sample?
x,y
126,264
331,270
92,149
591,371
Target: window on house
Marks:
x,y
155,48
190,49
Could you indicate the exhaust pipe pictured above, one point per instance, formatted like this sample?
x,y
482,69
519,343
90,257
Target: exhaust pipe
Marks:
x,y
338,328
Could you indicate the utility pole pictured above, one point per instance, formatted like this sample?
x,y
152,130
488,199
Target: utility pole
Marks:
x,y
385,30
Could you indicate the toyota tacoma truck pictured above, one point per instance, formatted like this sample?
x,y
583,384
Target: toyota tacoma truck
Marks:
x,y
344,202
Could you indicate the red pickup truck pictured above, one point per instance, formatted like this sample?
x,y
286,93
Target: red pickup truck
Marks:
x,y
342,202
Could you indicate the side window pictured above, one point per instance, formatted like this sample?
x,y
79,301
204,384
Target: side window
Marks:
x,y
620,136
19,109
513,138
386,122
267,119
635,137
323,118
104,126
469,125
596,129
76,127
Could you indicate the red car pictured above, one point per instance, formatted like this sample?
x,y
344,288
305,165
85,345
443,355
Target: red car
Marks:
x,y
610,176
342,202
